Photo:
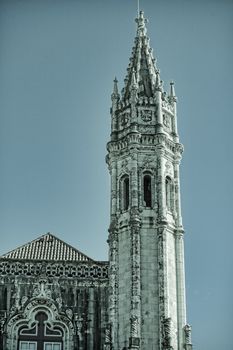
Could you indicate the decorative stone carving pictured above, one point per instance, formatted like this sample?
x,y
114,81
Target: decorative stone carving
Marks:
x,y
169,169
146,115
187,334
167,121
80,270
148,163
146,129
124,119
27,317
2,322
24,300
124,164
108,337
134,326
69,313
42,289
167,334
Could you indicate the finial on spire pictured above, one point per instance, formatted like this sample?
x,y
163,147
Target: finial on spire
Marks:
x,y
141,24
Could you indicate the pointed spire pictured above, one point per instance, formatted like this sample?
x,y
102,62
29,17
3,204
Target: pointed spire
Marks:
x,y
141,62
172,96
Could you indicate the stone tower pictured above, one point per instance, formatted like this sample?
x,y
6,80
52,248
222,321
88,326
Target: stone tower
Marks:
x,y
146,260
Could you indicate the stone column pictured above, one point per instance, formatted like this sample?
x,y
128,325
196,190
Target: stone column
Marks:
x,y
162,211
177,190
113,173
158,94
135,318
187,337
135,222
179,246
180,280
113,284
164,322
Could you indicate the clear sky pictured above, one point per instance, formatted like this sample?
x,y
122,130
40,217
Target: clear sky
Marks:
x,y
57,63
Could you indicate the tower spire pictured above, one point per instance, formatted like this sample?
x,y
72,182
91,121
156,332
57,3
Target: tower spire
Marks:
x,y
141,62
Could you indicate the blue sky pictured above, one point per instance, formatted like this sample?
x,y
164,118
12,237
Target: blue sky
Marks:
x,y
57,63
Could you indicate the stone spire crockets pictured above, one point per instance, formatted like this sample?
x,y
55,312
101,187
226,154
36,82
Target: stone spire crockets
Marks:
x,y
142,63
146,260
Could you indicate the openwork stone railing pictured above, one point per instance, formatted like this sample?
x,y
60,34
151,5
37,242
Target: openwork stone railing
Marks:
x,y
58,269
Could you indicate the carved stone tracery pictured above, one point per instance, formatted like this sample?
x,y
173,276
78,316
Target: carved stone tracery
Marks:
x,y
79,270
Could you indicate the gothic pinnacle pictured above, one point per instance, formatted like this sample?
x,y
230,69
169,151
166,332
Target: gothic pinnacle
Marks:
x,y
158,81
115,93
172,96
133,80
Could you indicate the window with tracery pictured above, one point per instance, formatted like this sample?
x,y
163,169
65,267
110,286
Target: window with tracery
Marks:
x,y
169,194
125,193
41,336
147,195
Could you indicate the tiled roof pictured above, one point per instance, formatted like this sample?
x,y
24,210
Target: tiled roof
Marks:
x,y
47,247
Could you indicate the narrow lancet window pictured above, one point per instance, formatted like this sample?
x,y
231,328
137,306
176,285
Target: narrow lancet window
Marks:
x,y
147,191
125,193
168,185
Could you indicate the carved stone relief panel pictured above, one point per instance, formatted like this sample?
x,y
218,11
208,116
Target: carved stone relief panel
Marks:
x,y
167,122
124,119
124,168
146,115
147,129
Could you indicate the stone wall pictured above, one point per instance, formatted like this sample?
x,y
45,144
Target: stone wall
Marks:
x,y
79,302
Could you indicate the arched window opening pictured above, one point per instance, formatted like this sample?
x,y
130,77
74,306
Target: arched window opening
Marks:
x,y
40,336
125,193
147,191
169,193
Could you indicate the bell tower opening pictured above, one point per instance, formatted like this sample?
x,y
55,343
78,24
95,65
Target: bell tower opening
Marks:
x,y
125,193
147,191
